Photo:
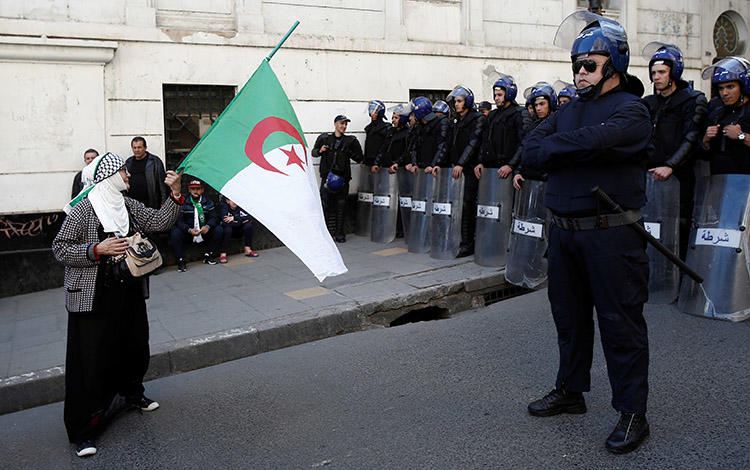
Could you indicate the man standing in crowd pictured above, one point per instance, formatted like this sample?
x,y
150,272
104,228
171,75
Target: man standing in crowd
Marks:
x,y
146,175
504,130
542,96
432,136
197,222
595,258
335,151
88,156
375,132
394,150
725,142
678,116
484,107
463,152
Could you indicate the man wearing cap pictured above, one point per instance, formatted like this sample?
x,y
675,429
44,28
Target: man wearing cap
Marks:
x,y
197,223
335,150
595,258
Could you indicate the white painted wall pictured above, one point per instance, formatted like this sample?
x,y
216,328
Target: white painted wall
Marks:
x,y
99,82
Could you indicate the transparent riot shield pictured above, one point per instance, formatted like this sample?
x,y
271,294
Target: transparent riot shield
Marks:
x,y
405,191
421,213
494,214
384,206
364,202
527,265
661,217
719,253
447,201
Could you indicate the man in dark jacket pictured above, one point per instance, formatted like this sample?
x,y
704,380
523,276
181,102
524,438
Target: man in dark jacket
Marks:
x,y
376,132
197,222
146,175
595,258
394,152
504,130
335,151
463,152
432,134
88,156
678,115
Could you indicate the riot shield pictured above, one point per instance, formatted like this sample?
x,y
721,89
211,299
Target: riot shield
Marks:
x,y
364,202
661,217
447,201
494,214
384,206
527,265
719,253
702,170
405,190
421,213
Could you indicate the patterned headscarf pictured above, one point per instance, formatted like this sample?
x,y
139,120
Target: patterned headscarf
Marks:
x,y
100,168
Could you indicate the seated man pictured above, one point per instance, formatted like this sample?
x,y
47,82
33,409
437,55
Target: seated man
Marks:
x,y
197,222
235,221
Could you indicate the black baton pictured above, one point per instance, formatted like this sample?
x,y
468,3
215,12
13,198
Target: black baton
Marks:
x,y
649,238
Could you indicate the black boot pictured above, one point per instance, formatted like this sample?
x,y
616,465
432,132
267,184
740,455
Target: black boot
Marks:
x,y
468,227
629,433
557,402
340,231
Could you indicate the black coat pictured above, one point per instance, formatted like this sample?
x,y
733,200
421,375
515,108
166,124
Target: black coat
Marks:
x,y
502,136
375,136
466,140
728,156
336,158
394,149
158,191
432,139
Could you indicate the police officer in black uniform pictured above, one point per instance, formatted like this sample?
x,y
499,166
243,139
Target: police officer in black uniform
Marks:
x,y
595,258
503,131
432,134
678,115
335,149
375,132
463,152
543,98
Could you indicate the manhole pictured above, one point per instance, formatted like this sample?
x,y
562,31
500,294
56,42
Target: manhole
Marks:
x,y
421,314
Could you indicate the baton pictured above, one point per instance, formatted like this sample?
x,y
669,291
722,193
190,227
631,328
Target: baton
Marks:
x,y
649,238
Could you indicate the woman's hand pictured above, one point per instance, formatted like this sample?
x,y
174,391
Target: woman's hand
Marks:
x,y
173,181
112,246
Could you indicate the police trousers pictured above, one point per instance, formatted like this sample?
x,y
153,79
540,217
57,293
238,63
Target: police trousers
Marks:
x,y
608,270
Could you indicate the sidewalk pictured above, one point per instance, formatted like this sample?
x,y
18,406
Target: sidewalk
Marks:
x,y
212,314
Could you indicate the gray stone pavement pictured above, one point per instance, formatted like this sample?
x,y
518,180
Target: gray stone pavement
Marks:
x,y
212,314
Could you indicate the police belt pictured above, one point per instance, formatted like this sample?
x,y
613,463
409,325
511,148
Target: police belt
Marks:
x,y
597,222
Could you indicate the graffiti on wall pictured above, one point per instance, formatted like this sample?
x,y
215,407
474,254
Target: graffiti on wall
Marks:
x,y
34,227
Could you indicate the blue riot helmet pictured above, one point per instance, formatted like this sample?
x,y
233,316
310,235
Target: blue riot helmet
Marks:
x,y
334,182
441,106
464,92
729,69
668,54
583,32
420,106
507,83
544,90
376,105
402,111
564,89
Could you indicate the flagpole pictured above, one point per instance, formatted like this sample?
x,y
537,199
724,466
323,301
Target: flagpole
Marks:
x,y
286,36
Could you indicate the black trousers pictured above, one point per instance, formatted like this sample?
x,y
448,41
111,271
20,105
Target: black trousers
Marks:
x,y
469,208
607,270
107,353
334,208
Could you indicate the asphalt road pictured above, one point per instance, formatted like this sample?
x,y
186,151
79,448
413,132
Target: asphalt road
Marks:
x,y
442,394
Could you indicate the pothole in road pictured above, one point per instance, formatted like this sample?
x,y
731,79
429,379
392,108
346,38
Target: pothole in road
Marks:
x,y
421,314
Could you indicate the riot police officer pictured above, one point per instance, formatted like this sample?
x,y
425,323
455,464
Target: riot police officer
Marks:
x,y
393,152
595,259
503,131
335,149
678,117
432,136
725,142
544,101
463,152
565,92
375,132
441,108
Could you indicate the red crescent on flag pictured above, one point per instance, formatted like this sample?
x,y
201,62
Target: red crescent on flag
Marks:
x,y
266,127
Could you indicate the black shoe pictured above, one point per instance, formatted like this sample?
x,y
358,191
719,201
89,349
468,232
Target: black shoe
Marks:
x,y
181,266
143,403
340,239
85,448
208,259
557,402
464,251
629,433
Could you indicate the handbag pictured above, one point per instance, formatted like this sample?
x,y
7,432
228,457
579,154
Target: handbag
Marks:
x,y
141,258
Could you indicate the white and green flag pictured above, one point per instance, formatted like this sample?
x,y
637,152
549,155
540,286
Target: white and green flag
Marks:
x,y
255,154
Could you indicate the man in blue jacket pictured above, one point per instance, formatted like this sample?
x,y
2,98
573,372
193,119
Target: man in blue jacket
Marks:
x,y
198,223
595,258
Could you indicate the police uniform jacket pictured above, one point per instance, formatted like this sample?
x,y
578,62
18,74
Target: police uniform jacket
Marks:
x,y
432,141
503,134
187,213
601,142
728,156
466,140
337,157
678,121
375,136
394,148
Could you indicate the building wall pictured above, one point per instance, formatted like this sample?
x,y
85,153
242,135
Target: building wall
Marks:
x,y
81,74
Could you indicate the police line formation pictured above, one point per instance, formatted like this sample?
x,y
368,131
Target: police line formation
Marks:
x,y
458,180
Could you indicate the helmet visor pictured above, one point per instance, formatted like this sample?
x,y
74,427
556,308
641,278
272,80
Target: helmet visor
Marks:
x,y
538,86
374,106
572,26
652,47
459,91
734,66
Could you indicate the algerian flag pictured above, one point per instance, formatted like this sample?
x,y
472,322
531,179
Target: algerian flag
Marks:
x,y
255,154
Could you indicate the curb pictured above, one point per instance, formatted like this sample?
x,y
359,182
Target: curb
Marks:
x,y
48,385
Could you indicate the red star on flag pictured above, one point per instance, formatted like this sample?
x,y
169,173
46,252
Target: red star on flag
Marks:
x,y
293,158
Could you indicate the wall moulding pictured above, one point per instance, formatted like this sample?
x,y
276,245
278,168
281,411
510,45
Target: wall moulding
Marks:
x,y
56,50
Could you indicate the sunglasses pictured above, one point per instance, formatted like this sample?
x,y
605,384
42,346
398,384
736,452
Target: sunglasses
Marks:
x,y
589,64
